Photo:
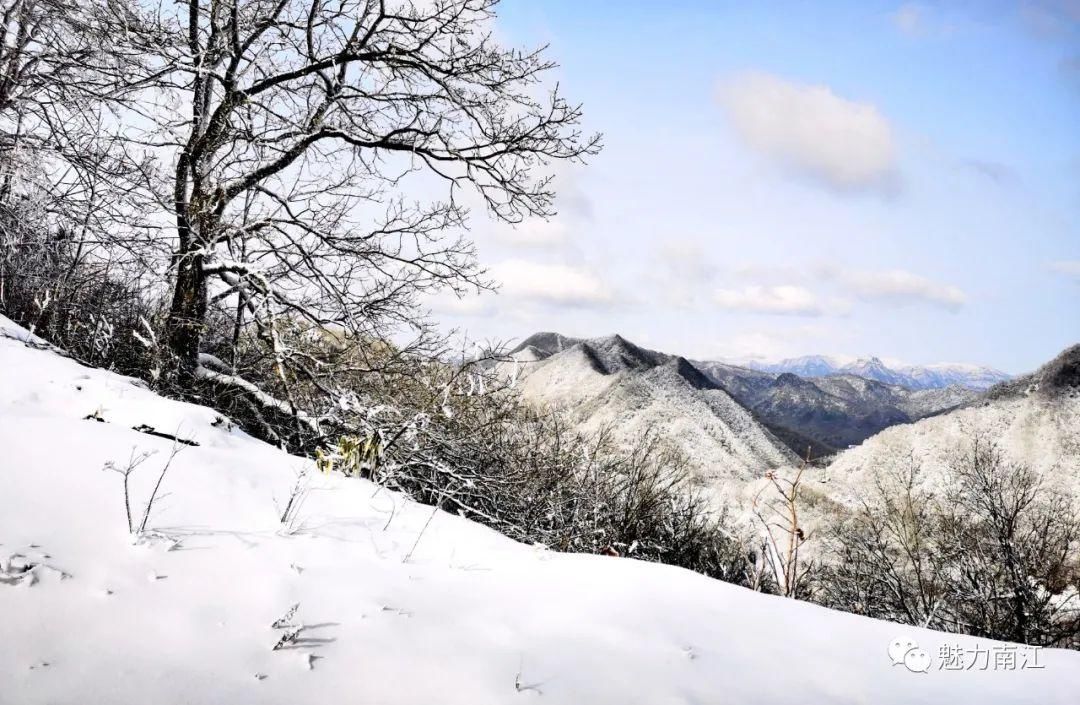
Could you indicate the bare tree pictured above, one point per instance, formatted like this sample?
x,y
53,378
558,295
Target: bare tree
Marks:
x,y
993,553
1018,574
302,124
781,560
890,558
65,179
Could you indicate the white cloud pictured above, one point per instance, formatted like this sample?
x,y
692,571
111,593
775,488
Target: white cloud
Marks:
x,y
551,283
908,19
534,232
681,270
772,343
571,197
1070,268
1050,20
781,300
993,171
472,305
899,286
845,144
919,20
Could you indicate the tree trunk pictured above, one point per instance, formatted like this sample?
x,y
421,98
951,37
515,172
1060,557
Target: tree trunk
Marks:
x,y
187,314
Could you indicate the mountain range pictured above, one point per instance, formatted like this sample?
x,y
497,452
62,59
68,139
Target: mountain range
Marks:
x,y
1032,419
936,376
734,423
721,415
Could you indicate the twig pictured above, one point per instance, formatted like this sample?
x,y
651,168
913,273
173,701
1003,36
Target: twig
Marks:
x,y
434,510
151,431
153,495
133,463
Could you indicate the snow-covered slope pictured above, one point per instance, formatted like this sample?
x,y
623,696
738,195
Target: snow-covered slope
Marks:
x,y
396,604
610,382
941,375
1035,419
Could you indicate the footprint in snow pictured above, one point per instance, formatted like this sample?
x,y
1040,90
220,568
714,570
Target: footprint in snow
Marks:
x,y
20,569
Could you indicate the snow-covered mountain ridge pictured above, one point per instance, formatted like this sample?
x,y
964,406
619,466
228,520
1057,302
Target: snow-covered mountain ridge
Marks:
x,y
395,603
1034,419
822,414
611,382
935,376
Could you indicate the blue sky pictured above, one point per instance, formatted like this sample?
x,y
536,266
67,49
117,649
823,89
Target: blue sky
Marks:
x,y
791,178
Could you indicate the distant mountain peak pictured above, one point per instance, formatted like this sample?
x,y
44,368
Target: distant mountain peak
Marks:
x,y
614,352
545,343
936,376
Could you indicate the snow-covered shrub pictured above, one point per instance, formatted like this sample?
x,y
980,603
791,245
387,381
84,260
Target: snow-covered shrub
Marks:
x,y
997,554
530,475
94,309
451,434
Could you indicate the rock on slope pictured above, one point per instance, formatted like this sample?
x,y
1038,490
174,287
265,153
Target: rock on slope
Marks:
x,y
612,382
397,604
1035,419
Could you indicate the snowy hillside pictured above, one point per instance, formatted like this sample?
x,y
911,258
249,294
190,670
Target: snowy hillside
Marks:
x,y
609,380
1035,420
612,382
395,604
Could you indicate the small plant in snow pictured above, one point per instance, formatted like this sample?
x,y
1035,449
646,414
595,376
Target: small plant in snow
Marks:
x,y
287,639
41,304
101,334
133,463
125,471
292,630
150,342
353,456
286,620
300,491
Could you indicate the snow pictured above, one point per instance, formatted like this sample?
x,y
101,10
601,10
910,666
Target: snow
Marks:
x,y
889,371
1036,431
397,603
641,391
